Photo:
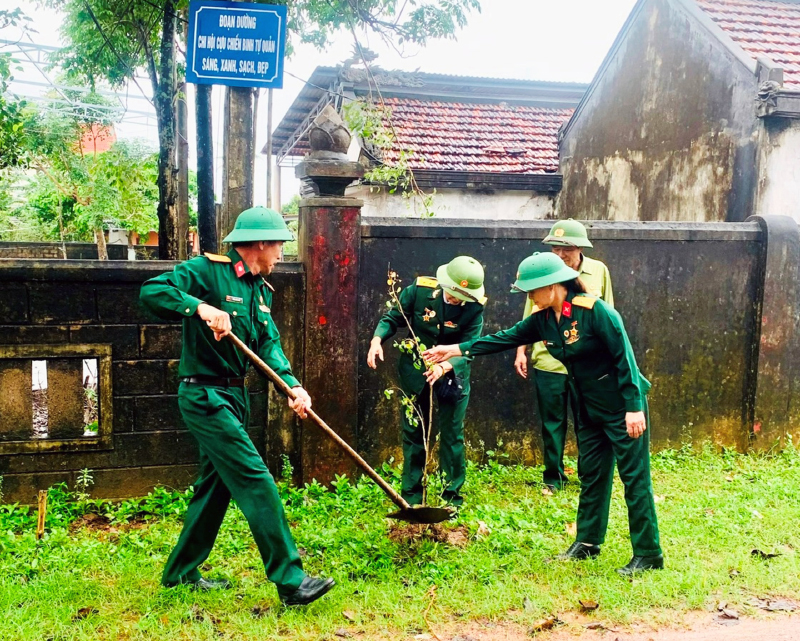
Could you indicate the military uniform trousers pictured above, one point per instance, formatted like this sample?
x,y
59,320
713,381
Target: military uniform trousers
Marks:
x,y
452,457
603,441
554,394
230,466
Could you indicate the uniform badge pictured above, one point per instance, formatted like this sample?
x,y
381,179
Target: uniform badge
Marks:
x,y
558,233
233,299
436,293
429,313
450,325
572,334
566,309
239,267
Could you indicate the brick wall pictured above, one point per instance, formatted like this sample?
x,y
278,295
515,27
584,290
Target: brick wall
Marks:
x,y
86,302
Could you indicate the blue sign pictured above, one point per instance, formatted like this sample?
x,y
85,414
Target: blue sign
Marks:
x,y
240,44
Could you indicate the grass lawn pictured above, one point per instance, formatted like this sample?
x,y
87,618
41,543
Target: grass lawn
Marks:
x,y
99,579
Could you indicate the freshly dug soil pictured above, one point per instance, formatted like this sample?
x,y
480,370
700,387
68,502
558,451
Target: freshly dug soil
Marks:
x,y
457,536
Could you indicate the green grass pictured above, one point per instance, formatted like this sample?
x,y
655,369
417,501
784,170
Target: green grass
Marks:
x,y
714,509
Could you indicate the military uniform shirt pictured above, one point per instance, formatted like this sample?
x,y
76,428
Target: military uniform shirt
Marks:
x,y
224,282
594,274
590,340
435,323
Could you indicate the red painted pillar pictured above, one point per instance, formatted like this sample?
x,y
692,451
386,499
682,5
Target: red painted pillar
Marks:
x,y
329,240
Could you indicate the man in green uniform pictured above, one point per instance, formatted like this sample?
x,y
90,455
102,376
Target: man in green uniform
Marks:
x,y
215,295
588,336
441,310
568,238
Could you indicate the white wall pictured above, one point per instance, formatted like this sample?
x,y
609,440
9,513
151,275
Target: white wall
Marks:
x,y
778,191
458,203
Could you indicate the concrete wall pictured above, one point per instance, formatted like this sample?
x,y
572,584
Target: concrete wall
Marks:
x,y
76,251
66,304
458,203
691,298
712,310
778,191
668,129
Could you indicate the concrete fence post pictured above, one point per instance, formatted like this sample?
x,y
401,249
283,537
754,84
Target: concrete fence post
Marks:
x,y
776,412
329,247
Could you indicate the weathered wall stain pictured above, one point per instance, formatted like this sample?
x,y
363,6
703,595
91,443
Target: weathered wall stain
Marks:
x,y
149,444
690,307
668,132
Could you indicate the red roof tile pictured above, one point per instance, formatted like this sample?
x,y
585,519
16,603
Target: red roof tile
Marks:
x,y
498,138
762,28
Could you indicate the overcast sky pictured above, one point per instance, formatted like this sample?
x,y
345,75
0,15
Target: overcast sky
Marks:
x,y
563,40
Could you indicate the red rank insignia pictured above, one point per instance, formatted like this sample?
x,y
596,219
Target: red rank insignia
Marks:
x,y
566,309
239,267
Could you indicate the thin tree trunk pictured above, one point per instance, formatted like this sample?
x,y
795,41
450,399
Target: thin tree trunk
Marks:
x,y
206,211
183,162
183,173
61,228
168,223
100,238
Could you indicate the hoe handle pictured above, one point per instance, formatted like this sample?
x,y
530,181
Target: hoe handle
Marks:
x,y
398,500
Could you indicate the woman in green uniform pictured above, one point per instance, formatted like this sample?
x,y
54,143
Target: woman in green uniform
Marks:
x,y
588,336
448,308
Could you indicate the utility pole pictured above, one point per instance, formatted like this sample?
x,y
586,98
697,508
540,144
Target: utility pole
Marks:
x,y
270,203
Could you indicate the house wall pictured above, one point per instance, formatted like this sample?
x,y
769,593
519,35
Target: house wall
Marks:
x,y
668,131
779,168
458,203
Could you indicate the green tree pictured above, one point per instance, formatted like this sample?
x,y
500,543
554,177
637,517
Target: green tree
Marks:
x,y
12,118
112,40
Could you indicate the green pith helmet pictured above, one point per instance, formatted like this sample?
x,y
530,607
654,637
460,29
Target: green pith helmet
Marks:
x,y
541,270
462,278
258,223
567,233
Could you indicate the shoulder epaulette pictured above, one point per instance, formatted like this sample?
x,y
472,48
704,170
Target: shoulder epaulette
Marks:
x,y
427,281
482,300
216,258
584,301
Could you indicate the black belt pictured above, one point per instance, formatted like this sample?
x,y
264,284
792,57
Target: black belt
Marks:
x,y
214,381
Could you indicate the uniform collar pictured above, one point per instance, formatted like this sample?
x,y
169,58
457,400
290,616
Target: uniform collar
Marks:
x,y
239,266
438,293
587,265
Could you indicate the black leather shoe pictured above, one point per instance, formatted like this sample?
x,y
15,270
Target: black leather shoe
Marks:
x,y
205,585
308,591
579,551
642,563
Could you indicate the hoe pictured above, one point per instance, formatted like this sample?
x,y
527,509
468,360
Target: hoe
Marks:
x,y
407,512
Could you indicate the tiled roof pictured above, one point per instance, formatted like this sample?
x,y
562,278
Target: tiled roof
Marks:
x,y
762,28
498,138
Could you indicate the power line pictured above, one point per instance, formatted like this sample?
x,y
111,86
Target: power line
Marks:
x,y
114,51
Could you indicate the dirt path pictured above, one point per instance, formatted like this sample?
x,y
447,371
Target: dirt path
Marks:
x,y
697,627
